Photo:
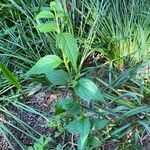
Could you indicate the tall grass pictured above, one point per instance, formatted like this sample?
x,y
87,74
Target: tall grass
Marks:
x,y
20,43
124,29
20,47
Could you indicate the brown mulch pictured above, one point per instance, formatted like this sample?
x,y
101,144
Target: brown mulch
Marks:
x,y
3,144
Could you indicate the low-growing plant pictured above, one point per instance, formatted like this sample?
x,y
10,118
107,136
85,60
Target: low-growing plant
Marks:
x,y
41,144
82,87
68,45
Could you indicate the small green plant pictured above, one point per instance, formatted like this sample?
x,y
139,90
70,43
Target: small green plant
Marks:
x,y
82,87
41,144
69,57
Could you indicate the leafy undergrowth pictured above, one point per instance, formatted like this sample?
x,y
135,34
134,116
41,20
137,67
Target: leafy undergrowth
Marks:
x,y
122,122
79,75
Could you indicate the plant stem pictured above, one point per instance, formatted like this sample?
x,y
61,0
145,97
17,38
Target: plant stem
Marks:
x,y
57,22
64,58
66,65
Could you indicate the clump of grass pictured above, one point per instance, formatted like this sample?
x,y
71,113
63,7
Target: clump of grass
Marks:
x,y
124,30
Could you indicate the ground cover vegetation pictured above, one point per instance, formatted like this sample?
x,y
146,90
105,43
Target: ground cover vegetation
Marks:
x,y
74,74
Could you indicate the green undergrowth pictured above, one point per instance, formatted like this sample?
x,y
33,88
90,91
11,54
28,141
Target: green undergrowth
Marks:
x,y
96,50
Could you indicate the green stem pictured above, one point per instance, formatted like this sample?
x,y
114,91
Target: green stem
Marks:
x,y
66,65
85,55
57,22
64,58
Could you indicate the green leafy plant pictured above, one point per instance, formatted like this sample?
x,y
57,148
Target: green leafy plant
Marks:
x,y
66,70
113,120
40,144
68,45
84,88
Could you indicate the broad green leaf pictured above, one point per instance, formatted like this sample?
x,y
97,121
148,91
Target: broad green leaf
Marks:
x,y
100,124
57,77
84,130
87,90
93,143
44,14
73,127
68,44
9,76
82,127
53,5
75,109
46,63
69,106
56,5
63,105
47,27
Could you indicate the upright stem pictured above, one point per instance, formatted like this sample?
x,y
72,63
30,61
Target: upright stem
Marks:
x,y
64,58
57,22
65,62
